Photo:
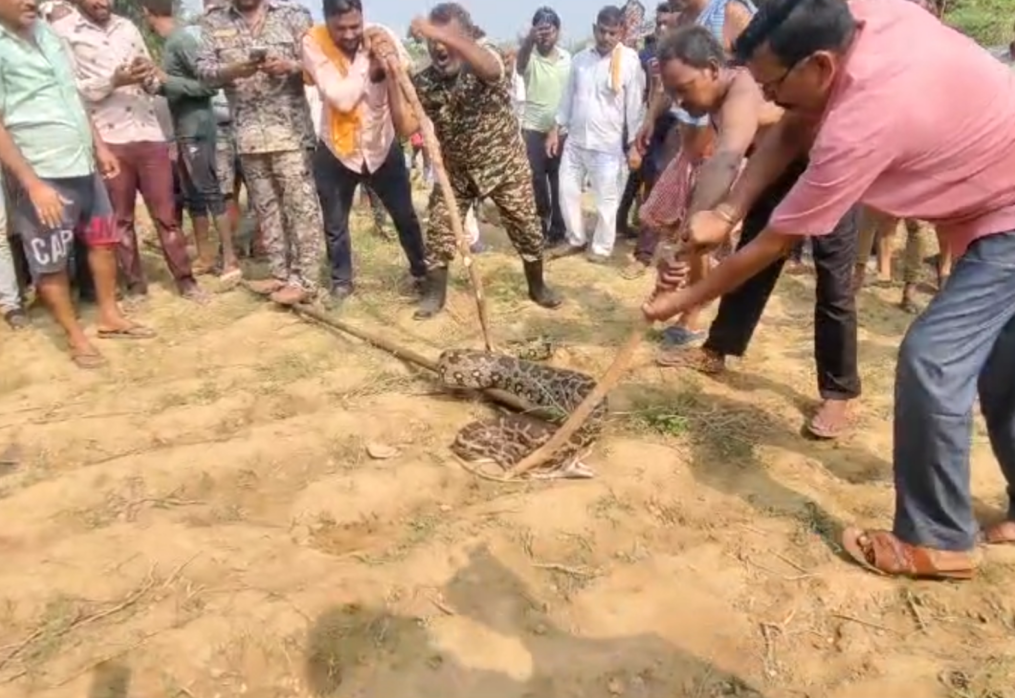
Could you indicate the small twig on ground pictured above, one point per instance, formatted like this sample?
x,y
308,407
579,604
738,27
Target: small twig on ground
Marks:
x,y
911,602
798,567
442,607
771,631
564,569
860,621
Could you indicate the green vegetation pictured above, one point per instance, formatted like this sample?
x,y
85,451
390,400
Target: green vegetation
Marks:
x,y
988,21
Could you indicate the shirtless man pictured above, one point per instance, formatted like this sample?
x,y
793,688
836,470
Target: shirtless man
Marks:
x,y
693,70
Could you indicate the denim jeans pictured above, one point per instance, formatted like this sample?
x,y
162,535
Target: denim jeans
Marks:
x,y
963,344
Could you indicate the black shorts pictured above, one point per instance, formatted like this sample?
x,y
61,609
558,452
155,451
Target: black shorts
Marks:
x,y
198,179
87,213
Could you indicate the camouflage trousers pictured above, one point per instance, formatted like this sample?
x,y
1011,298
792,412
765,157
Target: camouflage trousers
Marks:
x,y
282,193
515,202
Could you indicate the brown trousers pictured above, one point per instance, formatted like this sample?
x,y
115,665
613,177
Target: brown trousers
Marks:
x,y
145,167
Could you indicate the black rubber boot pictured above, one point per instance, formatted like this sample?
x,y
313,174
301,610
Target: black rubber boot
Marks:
x,y
539,292
435,293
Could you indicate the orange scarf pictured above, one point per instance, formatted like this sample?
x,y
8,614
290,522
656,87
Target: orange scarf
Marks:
x,y
615,56
342,127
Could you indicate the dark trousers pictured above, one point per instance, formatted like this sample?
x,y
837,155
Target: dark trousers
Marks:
x,y
146,167
961,347
336,185
834,309
630,195
546,185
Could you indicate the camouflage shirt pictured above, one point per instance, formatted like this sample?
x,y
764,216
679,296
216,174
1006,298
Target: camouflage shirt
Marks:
x,y
474,121
270,114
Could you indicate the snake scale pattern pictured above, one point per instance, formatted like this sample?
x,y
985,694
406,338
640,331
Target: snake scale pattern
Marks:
x,y
508,438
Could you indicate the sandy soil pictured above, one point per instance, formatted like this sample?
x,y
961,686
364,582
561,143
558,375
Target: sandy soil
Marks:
x,y
204,520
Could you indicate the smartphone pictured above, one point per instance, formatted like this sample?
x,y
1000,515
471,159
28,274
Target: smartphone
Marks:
x,y
258,55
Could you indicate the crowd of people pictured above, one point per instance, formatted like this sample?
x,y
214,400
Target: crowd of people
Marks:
x,y
739,134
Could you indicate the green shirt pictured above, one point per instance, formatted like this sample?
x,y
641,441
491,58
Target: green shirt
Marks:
x,y
545,81
40,106
189,98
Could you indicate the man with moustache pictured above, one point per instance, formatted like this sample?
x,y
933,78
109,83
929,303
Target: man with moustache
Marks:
x,y
254,48
466,92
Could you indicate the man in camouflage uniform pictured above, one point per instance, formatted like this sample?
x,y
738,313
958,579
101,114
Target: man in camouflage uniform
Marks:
x,y
466,92
253,47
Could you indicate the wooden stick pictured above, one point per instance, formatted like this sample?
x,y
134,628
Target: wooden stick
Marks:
x,y
395,68
582,412
498,396
604,386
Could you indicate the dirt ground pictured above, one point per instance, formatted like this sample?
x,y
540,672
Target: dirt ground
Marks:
x,y
204,519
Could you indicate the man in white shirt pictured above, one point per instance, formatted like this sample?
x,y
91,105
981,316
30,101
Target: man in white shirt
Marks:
x,y
603,101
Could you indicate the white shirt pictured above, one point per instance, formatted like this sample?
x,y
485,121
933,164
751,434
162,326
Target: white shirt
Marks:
x,y
592,112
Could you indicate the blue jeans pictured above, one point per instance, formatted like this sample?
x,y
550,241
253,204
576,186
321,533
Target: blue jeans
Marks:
x,y
963,343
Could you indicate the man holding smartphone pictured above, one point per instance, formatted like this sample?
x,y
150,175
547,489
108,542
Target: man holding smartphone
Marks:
x,y
271,118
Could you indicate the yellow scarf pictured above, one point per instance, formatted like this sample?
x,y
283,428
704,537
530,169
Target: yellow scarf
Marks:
x,y
342,127
618,50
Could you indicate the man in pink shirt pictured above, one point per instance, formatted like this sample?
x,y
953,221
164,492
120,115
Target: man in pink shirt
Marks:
x,y
360,125
847,75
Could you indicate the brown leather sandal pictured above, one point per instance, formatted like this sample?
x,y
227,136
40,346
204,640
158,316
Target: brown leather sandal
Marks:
x,y
883,553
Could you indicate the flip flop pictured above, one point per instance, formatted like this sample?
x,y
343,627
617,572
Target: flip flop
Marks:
x,y
88,360
882,553
132,332
822,432
680,336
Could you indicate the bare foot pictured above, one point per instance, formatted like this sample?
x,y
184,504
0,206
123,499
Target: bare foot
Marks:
x,y
831,420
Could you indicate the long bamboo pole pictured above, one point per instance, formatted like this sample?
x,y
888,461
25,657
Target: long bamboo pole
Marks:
x,y
498,396
394,68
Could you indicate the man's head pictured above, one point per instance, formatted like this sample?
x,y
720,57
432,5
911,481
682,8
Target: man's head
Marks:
x,y
546,22
98,11
18,14
691,61
666,18
456,18
158,14
608,30
344,19
246,5
691,7
795,49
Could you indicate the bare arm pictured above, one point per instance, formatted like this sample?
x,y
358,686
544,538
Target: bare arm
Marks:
x,y
738,125
737,19
781,144
525,53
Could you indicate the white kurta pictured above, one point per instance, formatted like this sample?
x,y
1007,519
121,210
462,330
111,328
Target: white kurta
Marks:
x,y
596,118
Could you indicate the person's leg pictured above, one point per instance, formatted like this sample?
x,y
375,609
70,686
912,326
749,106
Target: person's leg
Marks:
x,y
835,342
868,228
206,184
885,241
627,201
336,186
740,310
608,175
517,209
912,263
558,230
261,192
225,171
10,295
572,177
123,195
535,150
97,229
187,165
441,246
303,223
155,180
393,187
961,342
996,387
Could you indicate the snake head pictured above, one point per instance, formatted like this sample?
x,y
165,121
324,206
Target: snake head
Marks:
x,y
469,368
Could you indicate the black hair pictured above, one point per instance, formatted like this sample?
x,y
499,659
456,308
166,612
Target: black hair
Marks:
x,y
546,15
691,44
446,12
333,8
664,8
158,8
610,16
795,29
